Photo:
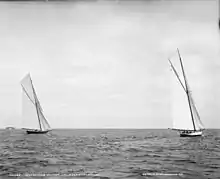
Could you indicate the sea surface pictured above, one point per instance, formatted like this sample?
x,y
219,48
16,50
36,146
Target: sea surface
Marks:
x,y
109,154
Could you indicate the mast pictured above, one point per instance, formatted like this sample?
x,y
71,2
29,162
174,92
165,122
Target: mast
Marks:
x,y
187,90
36,103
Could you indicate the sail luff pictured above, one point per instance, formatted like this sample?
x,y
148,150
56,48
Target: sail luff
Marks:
x,y
187,91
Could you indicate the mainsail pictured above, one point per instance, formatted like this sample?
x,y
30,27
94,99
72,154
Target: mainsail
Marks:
x,y
185,114
180,107
33,117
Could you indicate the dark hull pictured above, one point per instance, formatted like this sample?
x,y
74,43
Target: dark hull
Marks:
x,y
36,132
185,135
191,134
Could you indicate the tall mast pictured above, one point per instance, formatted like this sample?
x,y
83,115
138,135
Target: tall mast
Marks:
x,y
187,90
36,103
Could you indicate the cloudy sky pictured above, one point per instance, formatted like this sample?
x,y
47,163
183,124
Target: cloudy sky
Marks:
x,y
104,63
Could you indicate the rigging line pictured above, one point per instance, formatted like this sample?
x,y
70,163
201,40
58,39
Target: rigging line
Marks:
x,y
177,75
197,114
45,120
193,103
194,106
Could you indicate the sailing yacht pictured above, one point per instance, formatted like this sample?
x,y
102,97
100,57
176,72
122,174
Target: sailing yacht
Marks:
x,y
34,121
186,119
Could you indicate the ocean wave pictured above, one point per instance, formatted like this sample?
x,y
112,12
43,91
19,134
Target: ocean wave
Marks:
x,y
110,154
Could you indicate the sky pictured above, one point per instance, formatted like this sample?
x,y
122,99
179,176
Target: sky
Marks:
x,y
103,64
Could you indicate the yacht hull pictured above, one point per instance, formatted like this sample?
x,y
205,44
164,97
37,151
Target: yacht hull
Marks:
x,y
36,132
191,134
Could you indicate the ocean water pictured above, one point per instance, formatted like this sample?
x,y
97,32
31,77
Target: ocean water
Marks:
x,y
109,154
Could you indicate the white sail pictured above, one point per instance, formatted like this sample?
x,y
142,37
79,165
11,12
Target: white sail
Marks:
x,y
195,115
180,107
185,114
32,110
29,112
38,103
44,123
198,123
27,87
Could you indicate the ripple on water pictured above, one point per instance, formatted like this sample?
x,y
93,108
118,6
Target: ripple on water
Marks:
x,y
119,154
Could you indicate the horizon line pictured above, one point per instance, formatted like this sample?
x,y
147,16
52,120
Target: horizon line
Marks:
x,y
103,128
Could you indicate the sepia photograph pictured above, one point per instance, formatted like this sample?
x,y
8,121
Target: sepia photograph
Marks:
x,y
110,89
